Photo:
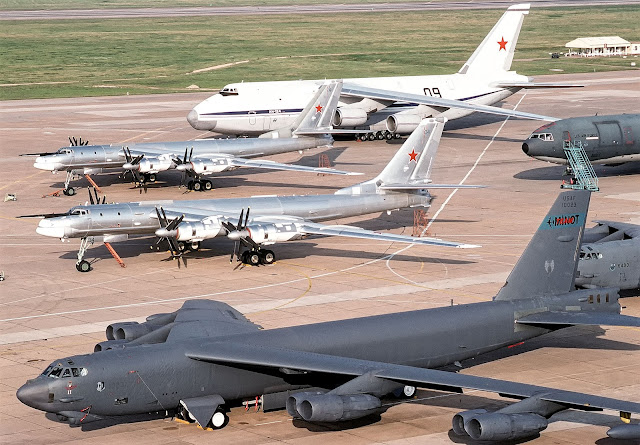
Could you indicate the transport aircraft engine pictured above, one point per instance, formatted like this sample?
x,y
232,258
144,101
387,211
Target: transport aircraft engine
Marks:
x,y
199,230
154,165
502,426
349,117
331,407
403,123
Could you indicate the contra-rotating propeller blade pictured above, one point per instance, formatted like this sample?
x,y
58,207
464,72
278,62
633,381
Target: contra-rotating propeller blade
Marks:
x,y
168,232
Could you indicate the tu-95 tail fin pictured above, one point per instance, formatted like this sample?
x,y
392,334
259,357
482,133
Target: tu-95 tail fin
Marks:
x,y
548,264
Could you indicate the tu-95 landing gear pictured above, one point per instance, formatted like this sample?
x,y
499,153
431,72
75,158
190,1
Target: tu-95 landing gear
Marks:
x,y
199,185
83,265
69,191
255,257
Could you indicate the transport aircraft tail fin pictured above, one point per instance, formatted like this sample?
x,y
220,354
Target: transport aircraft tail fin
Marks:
x,y
548,264
495,54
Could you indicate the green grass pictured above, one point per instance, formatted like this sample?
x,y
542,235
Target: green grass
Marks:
x,y
106,4
137,56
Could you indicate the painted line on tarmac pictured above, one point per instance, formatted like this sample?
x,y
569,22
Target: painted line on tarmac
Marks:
x,y
453,192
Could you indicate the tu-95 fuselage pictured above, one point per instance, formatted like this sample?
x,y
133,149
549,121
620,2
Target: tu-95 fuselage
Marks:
x,y
140,218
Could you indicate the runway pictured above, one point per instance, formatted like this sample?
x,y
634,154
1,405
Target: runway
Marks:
x,y
49,310
122,13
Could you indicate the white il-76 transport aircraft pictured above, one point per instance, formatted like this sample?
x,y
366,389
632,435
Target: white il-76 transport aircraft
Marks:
x,y
382,106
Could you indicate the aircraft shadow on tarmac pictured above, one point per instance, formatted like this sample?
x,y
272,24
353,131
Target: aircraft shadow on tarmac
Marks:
x,y
555,172
223,248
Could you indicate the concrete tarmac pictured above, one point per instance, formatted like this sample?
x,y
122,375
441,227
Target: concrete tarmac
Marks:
x,y
49,310
353,8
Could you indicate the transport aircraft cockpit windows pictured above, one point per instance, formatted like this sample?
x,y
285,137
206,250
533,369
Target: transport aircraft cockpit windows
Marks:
x,y
228,91
548,137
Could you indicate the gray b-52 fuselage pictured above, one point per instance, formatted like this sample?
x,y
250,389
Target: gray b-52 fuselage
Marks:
x,y
610,256
207,356
611,139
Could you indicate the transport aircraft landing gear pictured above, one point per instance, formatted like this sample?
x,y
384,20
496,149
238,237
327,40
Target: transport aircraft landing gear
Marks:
x,y
83,265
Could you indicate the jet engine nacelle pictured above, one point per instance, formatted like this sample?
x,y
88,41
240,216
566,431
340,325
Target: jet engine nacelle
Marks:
x,y
154,165
403,123
500,426
199,230
336,408
349,117
210,166
109,344
130,331
460,419
273,233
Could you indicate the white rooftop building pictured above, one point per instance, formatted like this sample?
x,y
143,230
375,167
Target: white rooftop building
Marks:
x,y
598,46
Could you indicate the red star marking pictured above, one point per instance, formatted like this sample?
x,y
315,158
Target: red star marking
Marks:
x,y
503,44
319,108
412,156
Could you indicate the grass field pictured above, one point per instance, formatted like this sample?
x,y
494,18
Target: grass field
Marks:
x,y
66,58
105,4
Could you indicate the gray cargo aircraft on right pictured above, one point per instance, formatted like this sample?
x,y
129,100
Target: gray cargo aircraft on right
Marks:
x,y
609,139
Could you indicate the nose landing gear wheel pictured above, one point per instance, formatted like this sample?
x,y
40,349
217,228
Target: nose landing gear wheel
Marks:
x,y
83,266
70,191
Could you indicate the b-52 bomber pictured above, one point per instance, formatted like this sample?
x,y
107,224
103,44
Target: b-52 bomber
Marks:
x,y
198,361
201,158
268,219
608,140
610,256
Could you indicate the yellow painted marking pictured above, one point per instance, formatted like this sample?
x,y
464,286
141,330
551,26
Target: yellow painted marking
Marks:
x,y
21,180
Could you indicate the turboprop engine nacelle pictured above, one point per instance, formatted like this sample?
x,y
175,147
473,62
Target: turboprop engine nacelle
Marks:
x,y
403,123
210,166
501,426
336,408
273,233
198,231
154,165
349,117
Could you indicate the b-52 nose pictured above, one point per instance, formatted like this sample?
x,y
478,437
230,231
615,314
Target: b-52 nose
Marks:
x,y
34,393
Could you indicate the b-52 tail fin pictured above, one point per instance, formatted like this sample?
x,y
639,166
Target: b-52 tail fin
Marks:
x,y
548,264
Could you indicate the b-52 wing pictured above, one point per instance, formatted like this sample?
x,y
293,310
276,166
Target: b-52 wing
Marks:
x,y
250,356
438,102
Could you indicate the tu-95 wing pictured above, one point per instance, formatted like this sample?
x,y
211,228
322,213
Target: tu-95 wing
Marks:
x,y
272,165
356,232
397,96
255,356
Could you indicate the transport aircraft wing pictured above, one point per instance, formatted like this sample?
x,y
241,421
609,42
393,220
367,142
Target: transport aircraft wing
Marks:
x,y
349,89
286,360
531,85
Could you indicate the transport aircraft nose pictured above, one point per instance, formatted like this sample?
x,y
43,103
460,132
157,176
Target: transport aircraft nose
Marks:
x,y
194,120
34,393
